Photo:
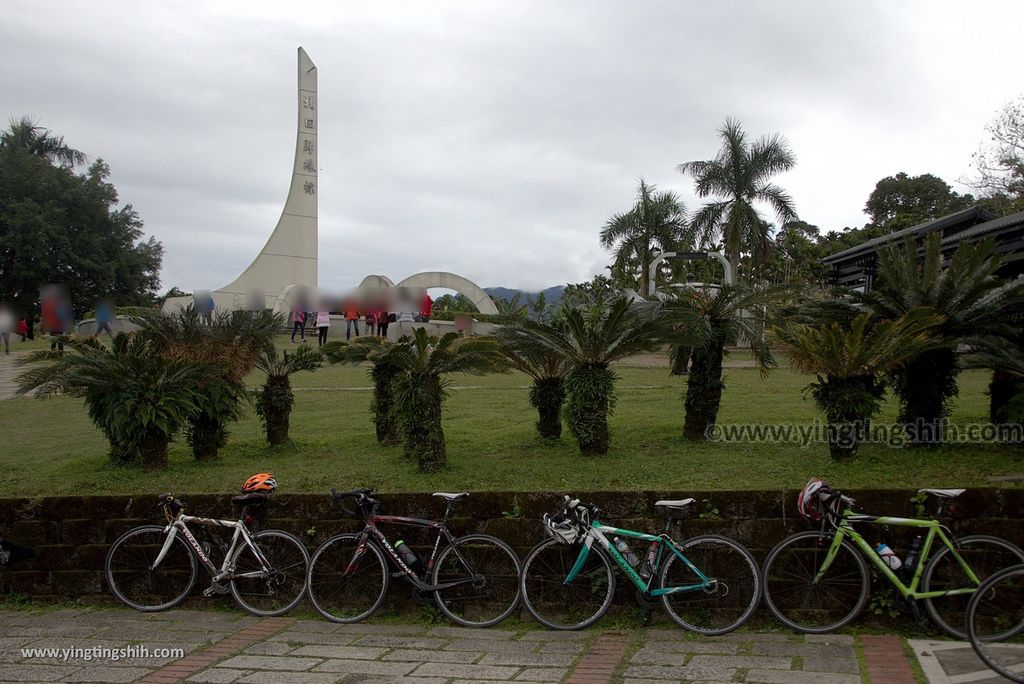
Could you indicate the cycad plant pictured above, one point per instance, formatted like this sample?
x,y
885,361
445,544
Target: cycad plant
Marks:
x,y
546,367
850,359
136,396
978,312
274,400
700,323
420,387
589,341
377,351
232,342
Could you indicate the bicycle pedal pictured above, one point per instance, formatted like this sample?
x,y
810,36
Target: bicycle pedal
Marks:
x,y
216,589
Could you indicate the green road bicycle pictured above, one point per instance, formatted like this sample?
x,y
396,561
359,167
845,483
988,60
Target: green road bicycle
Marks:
x,y
708,584
818,581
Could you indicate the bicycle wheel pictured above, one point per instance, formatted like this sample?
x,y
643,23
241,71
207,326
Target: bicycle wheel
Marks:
x,y
800,602
729,602
993,610
278,590
986,556
494,591
558,605
344,588
133,579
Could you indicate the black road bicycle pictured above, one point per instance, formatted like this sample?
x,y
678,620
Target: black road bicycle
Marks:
x,y
474,579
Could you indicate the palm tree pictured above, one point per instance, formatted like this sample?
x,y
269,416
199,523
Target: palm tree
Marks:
x,y
701,322
137,397
978,312
232,342
383,371
24,134
589,340
741,175
849,359
545,367
655,224
420,387
275,399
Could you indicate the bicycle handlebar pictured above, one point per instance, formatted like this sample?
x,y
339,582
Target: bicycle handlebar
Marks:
x,y
577,510
361,496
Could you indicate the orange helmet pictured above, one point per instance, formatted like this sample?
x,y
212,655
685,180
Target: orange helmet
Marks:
x,y
260,482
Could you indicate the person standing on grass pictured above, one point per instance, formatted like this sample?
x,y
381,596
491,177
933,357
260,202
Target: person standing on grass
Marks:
x,y
7,326
105,314
298,319
23,328
323,324
351,318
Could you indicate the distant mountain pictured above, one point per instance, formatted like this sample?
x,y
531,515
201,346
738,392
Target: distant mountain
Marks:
x,y
552,295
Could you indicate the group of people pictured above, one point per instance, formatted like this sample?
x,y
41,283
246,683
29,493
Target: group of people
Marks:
x,y
9,326
375,318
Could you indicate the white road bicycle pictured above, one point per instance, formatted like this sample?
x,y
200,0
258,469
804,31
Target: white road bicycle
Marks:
x,y
153,567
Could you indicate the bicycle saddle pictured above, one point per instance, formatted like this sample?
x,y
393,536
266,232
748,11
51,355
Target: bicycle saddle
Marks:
x,y
675,504
250,498
453,497
943,493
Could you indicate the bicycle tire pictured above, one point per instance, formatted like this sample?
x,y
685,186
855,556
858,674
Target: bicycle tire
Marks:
x,y
542,584
276,592
948,611
498,569
127,575
785,577
1004,589
335,596
721,559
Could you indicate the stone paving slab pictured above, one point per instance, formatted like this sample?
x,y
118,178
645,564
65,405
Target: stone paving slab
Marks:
x,y
229,648
946,662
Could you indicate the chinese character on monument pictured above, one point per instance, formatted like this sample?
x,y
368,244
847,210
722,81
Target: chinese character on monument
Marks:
x,y
309,187
307,146
308,102
307,165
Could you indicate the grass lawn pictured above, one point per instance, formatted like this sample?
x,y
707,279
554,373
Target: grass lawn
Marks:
x,y
50,447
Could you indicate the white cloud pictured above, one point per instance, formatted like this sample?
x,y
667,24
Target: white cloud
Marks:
x,y
492,139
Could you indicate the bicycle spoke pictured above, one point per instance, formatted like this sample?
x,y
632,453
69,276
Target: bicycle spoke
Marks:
x,y
278,588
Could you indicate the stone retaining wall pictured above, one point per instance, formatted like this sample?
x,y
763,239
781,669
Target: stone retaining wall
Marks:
x,y
71,534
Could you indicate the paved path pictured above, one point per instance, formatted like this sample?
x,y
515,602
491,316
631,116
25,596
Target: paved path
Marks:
x,y
8,370
232,647
954,662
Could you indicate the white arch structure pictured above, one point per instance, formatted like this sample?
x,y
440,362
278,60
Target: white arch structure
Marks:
x,y
451,281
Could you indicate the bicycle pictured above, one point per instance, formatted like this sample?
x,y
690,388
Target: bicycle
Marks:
x,y
818,581
153,567
998,602
474,579
708,584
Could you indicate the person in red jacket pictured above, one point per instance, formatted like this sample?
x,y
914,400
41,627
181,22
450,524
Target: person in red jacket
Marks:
x,y
426,307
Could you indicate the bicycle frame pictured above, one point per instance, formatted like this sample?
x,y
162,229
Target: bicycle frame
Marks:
x,y
597,532
371,530
935,529
225,572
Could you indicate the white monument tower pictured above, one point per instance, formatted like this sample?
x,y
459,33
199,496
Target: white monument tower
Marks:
x,y
290,255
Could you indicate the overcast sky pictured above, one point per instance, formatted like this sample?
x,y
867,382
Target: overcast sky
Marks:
x,y
493,139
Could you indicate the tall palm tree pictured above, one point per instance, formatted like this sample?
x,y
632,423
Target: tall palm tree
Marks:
x,y
545,367
978,310
421,386
232,342
655,224
137,397
701,322
741,176
24,134
275,399
589,341
378,352
849,359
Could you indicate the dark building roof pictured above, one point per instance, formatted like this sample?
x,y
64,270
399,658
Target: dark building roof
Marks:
x,y
855,267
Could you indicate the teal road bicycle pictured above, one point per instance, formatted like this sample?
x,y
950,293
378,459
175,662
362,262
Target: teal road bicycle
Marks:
x,y
708,584
818,581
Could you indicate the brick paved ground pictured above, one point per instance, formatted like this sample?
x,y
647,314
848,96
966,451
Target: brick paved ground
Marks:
x,y
231,647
